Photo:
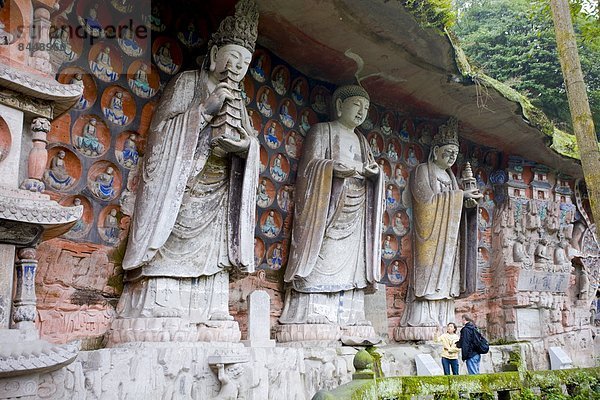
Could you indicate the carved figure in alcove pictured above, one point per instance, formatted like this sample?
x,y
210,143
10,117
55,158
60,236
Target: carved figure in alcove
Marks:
x,y
88,142
115,113
112,230
164,60
102,186
57,176
129,156
541,254
102,66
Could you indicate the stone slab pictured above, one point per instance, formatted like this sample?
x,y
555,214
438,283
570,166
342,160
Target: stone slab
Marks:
x,y
376,311
427,366
542,281
528,323
559,359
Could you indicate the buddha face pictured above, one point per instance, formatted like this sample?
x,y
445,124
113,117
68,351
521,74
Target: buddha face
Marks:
x,y
445,156
230,58
352,111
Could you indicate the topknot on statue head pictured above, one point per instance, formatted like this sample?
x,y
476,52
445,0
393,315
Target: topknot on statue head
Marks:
x,y
240,29
447,134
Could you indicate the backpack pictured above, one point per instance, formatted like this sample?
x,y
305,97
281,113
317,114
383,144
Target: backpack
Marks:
x,y
480,344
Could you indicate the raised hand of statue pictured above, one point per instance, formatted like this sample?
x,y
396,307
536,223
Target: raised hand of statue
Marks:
x,y
233,145
212,105
341,170
473,194
371,169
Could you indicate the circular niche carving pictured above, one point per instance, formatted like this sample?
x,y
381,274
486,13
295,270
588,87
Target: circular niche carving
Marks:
x,y
90,136
118,105
293,144
105,62
191,32
261,66
424,133
275,256
407,130
392,196
386,167
280,168
271,223
273,134
128,147
12,18
111,223
266,193
287,113
255,120
132,44
265,101
389,246
65,44
104,180
143,79
401,223
388,124
259,251
5,139
83,225
63,169
248,90
307,119
280,79
300,91
393,150
167,55
320,98
93,16
414,155
396,272
285,198
71,75
264,159
375,143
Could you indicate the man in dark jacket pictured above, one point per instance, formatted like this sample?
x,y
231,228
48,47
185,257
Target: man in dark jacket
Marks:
x,y
467,345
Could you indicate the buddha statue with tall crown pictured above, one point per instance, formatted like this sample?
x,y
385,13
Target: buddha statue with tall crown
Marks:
x,y
194,214
444,240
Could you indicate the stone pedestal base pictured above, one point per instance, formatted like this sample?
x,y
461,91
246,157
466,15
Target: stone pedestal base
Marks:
x,y
171,330
308,332
219,331
360,335
414,333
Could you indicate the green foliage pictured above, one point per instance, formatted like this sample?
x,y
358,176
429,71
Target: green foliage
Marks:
x,y
513,41
432,13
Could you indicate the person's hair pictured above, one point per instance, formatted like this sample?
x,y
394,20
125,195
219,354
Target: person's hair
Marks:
x,y
453,324
468,318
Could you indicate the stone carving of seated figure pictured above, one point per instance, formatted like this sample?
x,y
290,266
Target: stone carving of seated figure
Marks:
x,y
129,156
102,187
114,112
102,66
57,176
111,227
88,142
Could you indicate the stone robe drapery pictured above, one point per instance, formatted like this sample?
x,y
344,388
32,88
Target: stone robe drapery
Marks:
x,y
319,200
444,249
177,152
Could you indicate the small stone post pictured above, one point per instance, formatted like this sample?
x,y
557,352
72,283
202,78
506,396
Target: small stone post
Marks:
x,y
38,156
24,310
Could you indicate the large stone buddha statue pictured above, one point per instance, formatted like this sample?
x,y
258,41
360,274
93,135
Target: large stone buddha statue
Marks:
x,y
336,238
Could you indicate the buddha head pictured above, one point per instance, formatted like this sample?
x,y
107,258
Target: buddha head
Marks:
x,y
351,105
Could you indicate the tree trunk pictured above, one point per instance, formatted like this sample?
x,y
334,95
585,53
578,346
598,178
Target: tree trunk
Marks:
x,y
583,125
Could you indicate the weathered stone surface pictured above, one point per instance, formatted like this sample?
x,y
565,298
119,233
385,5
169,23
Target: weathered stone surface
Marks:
x,y
75,296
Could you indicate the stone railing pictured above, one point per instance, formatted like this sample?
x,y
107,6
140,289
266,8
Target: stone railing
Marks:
x,y
559,384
